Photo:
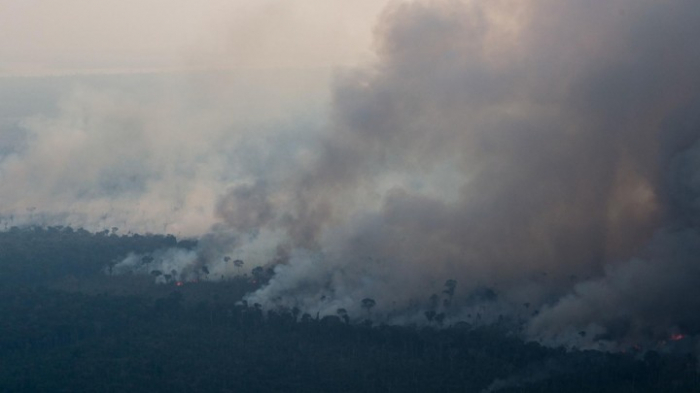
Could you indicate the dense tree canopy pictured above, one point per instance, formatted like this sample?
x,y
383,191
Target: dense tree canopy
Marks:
x,y
89,336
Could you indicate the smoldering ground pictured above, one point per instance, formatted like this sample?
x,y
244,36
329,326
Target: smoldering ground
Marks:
x,y
542,152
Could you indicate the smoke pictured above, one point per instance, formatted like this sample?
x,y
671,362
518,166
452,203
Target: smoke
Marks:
x,y
542,150
542,154
168,265
146,152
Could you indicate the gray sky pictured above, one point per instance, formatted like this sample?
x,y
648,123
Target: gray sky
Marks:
x,y
58,37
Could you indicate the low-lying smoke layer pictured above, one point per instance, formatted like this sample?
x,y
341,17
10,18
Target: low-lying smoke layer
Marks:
x,y
542,154
147,152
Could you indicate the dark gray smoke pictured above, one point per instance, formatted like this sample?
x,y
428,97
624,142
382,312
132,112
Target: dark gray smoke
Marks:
x,y
542,152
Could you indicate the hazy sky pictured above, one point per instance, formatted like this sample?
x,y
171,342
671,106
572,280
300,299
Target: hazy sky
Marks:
x,y
49,37
161,144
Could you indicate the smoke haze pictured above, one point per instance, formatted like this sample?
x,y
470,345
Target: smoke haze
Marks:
x,y
542,154
147,153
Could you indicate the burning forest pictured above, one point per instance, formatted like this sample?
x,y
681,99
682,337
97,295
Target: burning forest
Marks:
x,y
532,166
546,166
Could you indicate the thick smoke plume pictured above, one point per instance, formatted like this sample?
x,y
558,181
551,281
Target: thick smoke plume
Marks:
x,y
542,154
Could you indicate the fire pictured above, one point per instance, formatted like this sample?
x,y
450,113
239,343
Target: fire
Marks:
x,y
677,337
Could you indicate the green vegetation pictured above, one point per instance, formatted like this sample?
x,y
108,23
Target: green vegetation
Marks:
x,y
67,327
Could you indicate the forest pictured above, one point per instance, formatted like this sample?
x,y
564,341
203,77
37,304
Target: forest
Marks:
x,y
67,326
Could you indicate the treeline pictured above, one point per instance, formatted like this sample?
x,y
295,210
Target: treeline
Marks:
x,y
58,341
203,337
39,256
